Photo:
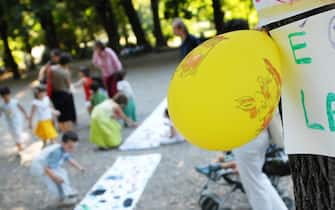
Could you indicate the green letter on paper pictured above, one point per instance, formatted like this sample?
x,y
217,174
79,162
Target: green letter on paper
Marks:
x,y
330,111
295,47
315,126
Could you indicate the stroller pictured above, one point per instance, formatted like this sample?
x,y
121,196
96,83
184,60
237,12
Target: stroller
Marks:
x,y
276,166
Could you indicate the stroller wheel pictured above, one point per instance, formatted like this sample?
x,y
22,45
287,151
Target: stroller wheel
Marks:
x,y
288,202
207,202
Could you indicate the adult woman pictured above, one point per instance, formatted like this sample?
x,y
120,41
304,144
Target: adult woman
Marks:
x,y
61,95
54,60
105,129
107,61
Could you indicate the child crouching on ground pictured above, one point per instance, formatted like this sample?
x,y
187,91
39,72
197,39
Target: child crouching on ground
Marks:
x,y
124,87
48,166
13,111
43,110
97,97
105,130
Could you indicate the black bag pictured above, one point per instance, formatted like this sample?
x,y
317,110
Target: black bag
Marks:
x,y
276,163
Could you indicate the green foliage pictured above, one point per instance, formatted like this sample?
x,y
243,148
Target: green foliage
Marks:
x,y
77,23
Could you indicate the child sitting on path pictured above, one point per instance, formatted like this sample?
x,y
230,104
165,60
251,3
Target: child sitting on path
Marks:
x,y
174,134
124,87
48,167
43,110
13,112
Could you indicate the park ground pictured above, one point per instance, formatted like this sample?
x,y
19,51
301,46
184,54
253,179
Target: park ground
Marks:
x,y
174,185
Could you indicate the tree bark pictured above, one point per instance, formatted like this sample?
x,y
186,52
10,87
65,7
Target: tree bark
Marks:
x,y
218,16
314,182
160,41
28,50
9,59
47,22
107,17
135,23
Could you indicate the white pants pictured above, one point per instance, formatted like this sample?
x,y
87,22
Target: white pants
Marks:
x,y
59,191
250,160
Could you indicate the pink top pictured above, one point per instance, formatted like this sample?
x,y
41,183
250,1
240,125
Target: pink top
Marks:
x,y
107,61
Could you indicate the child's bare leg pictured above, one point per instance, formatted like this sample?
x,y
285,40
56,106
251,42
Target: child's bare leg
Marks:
x,y
44,143
65,126
232,165
61,126
68,126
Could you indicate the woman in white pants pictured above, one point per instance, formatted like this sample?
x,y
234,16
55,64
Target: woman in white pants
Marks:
x,y
250,159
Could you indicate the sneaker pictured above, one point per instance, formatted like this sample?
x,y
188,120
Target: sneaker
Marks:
x,y
68,201
207,170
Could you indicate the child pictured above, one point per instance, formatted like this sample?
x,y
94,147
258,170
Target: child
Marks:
x,y
48,166
105,131
13,112
97,96
125,88
174,134
101,85
43,110
86,82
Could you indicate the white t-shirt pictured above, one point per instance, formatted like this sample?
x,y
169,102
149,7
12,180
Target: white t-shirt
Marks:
x,y
125,88
13,114
43,109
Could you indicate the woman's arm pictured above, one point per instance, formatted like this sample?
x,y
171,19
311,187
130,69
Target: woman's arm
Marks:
x,y
42,73
116,63
95,59
119,113
54,111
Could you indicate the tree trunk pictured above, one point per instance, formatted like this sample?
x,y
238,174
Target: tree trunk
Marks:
x,y
106,15
9,59
47,22
28,50
135,23
314,182
160,41
218,16
125,34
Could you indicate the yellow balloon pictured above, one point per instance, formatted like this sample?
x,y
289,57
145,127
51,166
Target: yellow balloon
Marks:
x,y
224,93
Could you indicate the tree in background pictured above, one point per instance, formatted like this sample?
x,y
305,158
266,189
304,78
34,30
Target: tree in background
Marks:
x,y
218,16
7,11
160,40
43,11
72,25
107,18
135,23
83,29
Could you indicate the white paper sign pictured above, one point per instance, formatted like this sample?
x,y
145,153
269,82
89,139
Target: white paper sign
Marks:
x,y
274,10
308,50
